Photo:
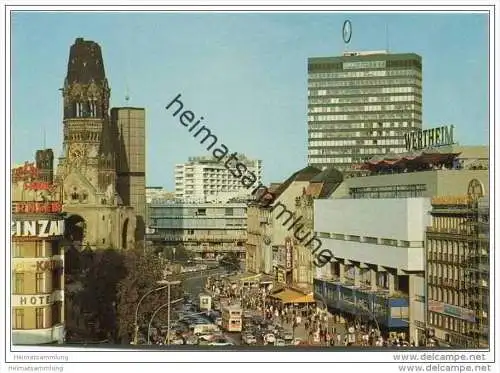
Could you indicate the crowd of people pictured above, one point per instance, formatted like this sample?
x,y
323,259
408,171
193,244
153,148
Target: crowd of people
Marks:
x,y
316,325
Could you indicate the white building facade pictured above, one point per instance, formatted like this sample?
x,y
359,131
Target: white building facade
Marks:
x,y
378,267
204,179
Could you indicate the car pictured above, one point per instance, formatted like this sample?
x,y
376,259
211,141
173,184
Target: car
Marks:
x,y
287,336
206,337
177,341
297,341
279,342
269,338
249,339
221,342
192,340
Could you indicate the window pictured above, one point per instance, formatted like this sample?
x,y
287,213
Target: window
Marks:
x,y
17,248
39,249
39,318
19,283
19,319
40,288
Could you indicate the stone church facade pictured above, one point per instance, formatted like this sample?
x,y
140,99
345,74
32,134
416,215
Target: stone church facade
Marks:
x,y
97,215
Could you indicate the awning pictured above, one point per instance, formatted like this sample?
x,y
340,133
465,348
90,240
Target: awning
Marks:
x,y
245,277
290,296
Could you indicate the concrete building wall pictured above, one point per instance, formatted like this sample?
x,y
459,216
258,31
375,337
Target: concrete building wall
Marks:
x,y
402,219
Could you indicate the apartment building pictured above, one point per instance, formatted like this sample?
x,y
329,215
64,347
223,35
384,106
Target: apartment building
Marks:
x,y
205,179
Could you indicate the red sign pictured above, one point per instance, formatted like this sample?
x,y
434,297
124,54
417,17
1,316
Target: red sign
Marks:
x,y
40,185
33,207
26,172
288,253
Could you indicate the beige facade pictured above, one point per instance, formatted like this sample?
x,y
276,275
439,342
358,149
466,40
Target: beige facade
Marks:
x,y
37,254
258,239
457,252
303,269
280,229
414,184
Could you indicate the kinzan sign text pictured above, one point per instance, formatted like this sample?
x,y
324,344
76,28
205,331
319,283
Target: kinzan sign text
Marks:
x,y
37,228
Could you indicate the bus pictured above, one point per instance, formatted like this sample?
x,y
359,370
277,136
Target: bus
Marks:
x,y
232,318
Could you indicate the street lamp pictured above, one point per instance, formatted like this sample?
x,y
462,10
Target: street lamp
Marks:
x,y
168,323
168,284
136,325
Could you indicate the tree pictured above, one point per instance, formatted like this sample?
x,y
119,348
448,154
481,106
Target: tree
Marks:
x,y
99,295
143,271
181,254
230,262
72,265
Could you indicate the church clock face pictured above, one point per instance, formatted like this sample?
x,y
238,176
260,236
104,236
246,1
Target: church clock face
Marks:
x,y
76,152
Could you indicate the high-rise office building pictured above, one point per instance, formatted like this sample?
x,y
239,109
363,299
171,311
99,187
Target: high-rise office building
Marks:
x,y
360,105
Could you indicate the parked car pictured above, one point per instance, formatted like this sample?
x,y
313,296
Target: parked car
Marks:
x,y
297,341
269,338
177,341
279,342
221,342
192,340
249,339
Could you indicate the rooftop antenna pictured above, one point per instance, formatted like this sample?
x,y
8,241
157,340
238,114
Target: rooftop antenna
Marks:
x,y
127,95
387,37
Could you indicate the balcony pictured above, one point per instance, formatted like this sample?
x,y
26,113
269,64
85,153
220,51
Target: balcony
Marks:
x,y
455,231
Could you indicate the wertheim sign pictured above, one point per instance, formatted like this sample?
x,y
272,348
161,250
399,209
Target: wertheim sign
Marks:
x,y
37,228
433,137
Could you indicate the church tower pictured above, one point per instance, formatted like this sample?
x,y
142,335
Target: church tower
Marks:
x,y
87,166
88,144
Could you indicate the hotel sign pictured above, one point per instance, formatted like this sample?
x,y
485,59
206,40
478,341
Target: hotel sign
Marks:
x,y
422,139
37,228
32,300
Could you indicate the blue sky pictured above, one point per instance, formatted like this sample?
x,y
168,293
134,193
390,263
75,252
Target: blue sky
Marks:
x,y
245,73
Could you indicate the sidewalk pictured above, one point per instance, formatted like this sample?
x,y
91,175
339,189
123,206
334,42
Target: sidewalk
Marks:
x,y
303,334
